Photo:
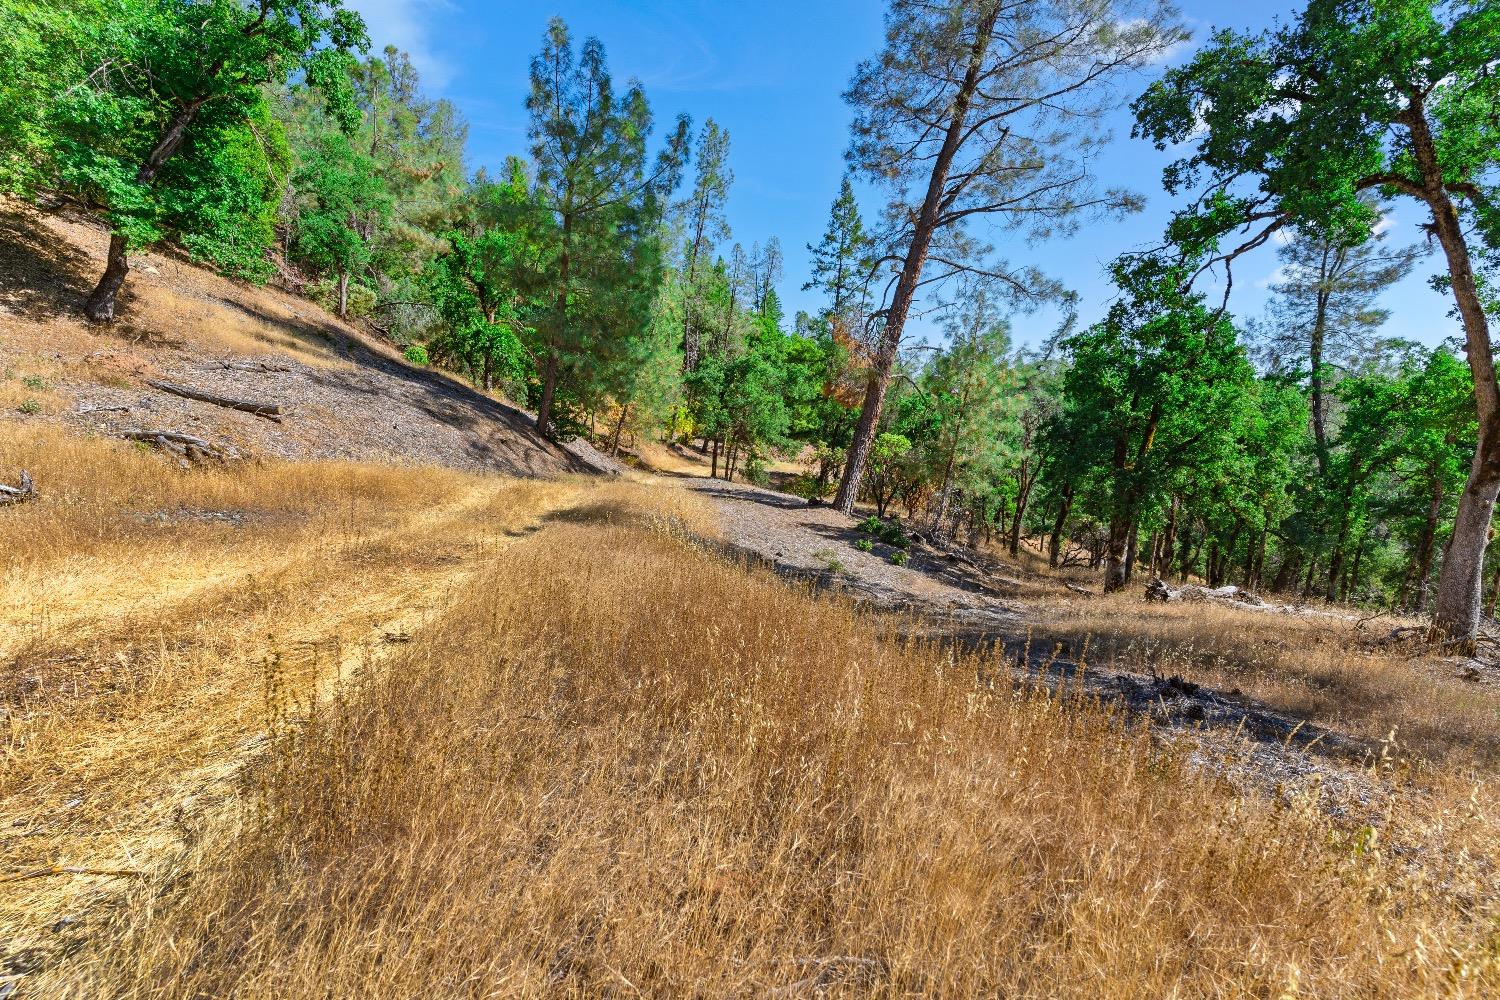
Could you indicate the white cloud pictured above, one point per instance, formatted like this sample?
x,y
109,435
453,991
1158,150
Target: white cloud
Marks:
x,y
1166,54
1276,277
405,24
1386,224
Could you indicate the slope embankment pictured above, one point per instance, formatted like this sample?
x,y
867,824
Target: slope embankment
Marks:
x,y
340,393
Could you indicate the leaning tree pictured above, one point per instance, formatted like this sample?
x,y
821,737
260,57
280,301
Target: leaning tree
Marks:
x,y
985,109
142,136
1289,127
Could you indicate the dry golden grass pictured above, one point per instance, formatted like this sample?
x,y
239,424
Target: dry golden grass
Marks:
x,y
52,261
1317,667
140,606
617,765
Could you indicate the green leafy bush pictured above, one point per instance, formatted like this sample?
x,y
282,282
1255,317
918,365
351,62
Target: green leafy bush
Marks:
x,y
416,354
865,545
889,532
898,558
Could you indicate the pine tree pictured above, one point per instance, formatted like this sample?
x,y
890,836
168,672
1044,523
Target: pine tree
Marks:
x,y
706,226
1325,311
589,145
841,259
978,109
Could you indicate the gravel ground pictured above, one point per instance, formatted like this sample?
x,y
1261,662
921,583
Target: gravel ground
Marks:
x,y
375,408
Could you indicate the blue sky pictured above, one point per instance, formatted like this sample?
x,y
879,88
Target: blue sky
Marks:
x,y
772,73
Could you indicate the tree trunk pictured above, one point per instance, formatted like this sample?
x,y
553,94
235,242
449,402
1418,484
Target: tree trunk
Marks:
x,y
1427,542
614,448
549,389
911,270
1319,335
713,470
1054,545
1455,614
1023,497
1131,548
549,379
343,295
100,307
1120,530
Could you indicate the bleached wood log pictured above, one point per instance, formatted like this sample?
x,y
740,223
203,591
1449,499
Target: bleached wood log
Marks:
x,y
270,411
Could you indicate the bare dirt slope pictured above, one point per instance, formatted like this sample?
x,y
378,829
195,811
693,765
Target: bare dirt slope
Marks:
x,y
344,395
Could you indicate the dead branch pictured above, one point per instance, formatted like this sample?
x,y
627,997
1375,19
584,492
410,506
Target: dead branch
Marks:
x,y
18,494
253,366
186,447
270,411
1075,588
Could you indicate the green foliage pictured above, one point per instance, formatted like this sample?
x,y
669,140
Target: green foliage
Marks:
x,y
605,198
416,354
864,545
889,532
168,133
898,558
342,202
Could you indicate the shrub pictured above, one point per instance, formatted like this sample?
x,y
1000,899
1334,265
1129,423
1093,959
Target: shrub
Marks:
x,y
416,354
30,407
898,558
865,545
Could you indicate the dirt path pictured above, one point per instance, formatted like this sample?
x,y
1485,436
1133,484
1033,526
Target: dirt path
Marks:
x,y
154,700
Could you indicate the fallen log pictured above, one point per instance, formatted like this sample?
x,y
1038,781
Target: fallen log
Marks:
x,y
18,494
1158,590
270,411
1086,592
186,447
264,367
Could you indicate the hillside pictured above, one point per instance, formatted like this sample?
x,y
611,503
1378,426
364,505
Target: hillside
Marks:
x,y
345,395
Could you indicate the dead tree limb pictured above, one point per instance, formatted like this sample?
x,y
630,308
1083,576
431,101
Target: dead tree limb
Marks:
x,y
18,494
253,366
186,447
271,411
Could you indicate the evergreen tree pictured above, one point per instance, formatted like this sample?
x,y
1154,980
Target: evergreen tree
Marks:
x,y
594,180
706,226
841,259
982,109
1325,311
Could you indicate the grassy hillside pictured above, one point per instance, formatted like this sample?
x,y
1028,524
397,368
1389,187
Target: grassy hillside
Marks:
x,y
536,739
